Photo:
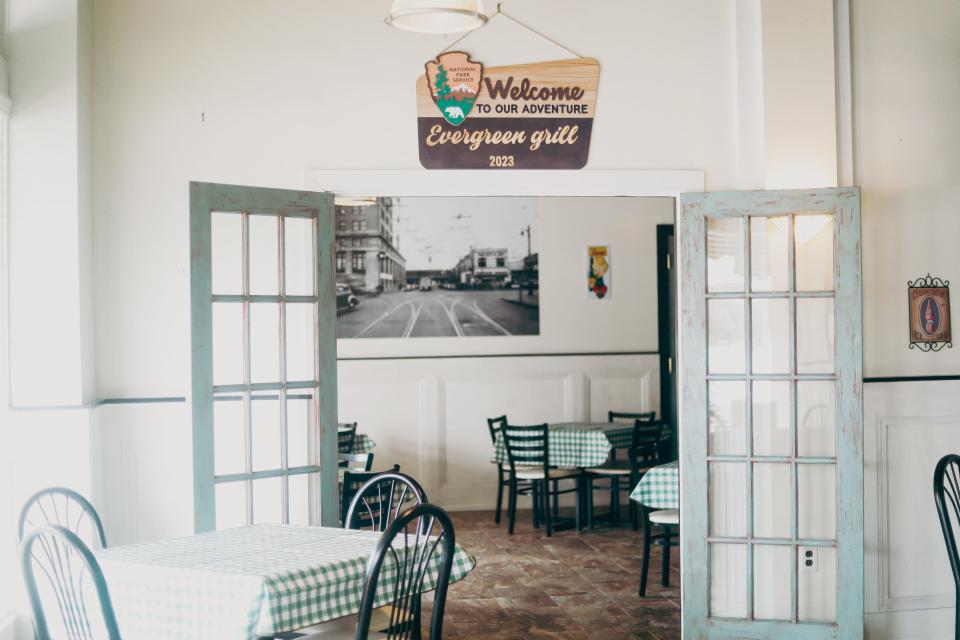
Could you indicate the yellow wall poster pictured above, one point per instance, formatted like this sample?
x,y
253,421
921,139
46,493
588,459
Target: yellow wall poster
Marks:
x,y
598,272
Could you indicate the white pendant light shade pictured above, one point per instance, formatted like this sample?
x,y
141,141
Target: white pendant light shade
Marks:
x,y
437,16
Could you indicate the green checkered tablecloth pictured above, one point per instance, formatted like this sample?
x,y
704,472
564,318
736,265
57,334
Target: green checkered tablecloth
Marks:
x,y
578,444
362,443
659,487
246,583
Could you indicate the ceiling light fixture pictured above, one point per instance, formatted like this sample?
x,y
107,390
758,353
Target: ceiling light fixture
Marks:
x,y
437,16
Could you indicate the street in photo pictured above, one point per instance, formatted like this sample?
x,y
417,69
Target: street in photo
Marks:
x,y
437,267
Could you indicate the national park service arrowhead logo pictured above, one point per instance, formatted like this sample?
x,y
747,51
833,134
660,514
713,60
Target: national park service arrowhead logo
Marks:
x,y
454,83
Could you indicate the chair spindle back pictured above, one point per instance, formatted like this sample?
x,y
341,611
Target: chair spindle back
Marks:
x,y
68,576
415,551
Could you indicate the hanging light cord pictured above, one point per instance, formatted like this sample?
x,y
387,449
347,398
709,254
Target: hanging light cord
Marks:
x,y
501,12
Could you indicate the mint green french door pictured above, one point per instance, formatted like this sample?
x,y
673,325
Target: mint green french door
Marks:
x,y
771,415
263,357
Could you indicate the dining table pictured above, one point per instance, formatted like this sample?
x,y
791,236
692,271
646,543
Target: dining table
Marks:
x,y
249,582
659,488
577,444
362,443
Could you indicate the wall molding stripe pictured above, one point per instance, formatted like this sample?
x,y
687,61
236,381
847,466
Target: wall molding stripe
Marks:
x,y
174,399
911,378
502,355
157,400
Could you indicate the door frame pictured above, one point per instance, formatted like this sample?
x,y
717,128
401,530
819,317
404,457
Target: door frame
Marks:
x,y
667,332
669,183
845,203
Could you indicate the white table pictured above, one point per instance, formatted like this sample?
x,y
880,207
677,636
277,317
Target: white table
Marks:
x,y
244,583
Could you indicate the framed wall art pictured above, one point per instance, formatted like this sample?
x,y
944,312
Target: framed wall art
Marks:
x,y
928,302
598,272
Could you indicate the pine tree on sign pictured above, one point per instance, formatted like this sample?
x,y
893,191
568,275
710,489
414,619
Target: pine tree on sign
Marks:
x,y
440,83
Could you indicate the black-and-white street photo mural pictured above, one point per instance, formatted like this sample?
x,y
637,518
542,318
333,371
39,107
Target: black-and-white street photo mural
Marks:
x,y
437,267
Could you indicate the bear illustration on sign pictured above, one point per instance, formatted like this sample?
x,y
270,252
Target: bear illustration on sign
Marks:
x,y
454,82
454,113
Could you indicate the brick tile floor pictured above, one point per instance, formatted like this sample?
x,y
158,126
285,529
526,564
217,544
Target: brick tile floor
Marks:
x,y
571,586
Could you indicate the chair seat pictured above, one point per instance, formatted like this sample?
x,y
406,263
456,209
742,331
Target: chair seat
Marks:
x,y
612,468
346,633
665,516
537,473
345,628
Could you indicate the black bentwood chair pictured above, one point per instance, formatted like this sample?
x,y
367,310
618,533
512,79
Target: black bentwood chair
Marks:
x,y
423,531
67,508
351,482
68,573
503,474
375,507
528,453
946,493
419,543
379,501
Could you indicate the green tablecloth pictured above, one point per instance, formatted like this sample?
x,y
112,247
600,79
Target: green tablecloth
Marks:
x,y
579,444
362,443
247,582
659,488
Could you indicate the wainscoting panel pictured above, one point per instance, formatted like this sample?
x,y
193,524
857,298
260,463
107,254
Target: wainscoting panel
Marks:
x,y
430,415
142,470
620,391
908,586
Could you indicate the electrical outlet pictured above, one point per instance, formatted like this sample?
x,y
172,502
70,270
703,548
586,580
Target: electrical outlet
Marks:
x,y
809,559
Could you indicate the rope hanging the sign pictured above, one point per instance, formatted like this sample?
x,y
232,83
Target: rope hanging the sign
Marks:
x,y
501,12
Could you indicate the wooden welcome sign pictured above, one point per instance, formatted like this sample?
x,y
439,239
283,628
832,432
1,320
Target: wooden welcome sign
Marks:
x,y
528,116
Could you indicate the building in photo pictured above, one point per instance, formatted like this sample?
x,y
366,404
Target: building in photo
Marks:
x,y
483,269
368,255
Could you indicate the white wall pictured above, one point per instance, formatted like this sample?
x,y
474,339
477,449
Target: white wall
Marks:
x,y
43,247
906,93
49,288
255,94
272,83
799,108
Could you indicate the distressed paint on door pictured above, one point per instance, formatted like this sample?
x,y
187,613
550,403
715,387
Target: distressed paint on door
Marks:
x,y
844,203
206,198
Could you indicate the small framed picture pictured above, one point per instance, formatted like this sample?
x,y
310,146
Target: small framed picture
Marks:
x,y
929,308
598,272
